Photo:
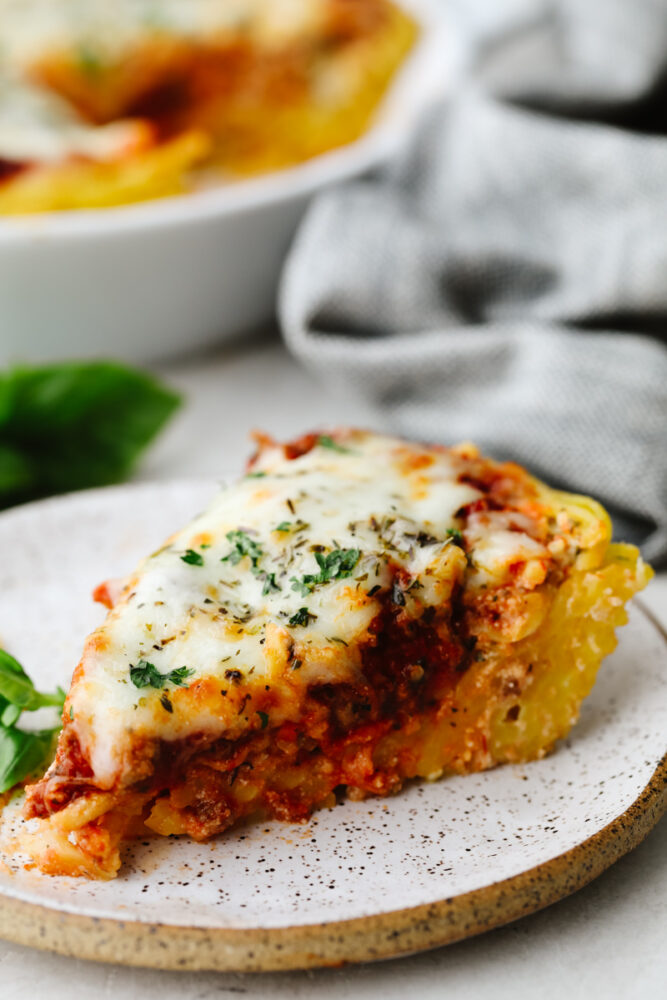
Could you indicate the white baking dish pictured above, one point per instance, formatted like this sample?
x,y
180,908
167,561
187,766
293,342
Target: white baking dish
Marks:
x,y
161,278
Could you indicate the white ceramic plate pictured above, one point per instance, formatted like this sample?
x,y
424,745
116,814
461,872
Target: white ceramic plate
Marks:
x,y
146,281
368,879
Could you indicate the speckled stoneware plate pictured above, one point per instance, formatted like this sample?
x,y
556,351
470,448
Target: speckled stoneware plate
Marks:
x,y
364,880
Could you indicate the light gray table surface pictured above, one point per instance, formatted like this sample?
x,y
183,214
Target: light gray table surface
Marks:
x,y
607,940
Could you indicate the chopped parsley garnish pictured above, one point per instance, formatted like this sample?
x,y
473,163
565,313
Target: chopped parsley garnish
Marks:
x,y
145,674
264,718
302,617
296,526
326,441
255,475
166,704
335,566
243,545
270,584
193,558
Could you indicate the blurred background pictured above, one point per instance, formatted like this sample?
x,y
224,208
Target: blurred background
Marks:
x,y
441,218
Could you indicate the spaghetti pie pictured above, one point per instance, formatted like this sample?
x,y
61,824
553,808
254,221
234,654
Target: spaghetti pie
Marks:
x,y
106,103
356,612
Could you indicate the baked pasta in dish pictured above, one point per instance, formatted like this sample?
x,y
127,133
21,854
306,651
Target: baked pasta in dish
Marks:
x,y
356,612
106,103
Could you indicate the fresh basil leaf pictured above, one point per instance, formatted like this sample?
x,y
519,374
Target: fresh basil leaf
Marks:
x,y
16,688
74,425
10,665
9,715
16,472
23,753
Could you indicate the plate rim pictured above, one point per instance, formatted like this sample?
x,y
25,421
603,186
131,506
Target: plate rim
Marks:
x,y
390,934
394,934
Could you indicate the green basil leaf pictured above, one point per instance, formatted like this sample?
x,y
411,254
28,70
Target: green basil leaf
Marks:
x,y
74,425
17,689
9,715
16,472
12,665
22,754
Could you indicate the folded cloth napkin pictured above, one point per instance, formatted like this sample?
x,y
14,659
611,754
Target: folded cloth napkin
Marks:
x,y
507,281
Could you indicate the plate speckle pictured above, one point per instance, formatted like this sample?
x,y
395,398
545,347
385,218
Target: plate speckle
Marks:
x,y
432,842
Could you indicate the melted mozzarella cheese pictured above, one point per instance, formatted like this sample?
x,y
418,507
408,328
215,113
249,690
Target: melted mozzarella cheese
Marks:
x,y
38,126
218,611
98,30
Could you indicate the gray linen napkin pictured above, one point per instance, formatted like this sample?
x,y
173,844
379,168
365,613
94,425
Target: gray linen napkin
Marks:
x,y
485,287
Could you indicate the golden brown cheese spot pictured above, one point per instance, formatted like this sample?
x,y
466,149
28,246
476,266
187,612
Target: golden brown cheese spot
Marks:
x,y
97,642
277,651
198,696
409,461
202,539
259,497
420,488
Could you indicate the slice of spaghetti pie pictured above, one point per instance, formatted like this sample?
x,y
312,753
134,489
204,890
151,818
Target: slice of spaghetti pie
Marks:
x,y
106,103
355,612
